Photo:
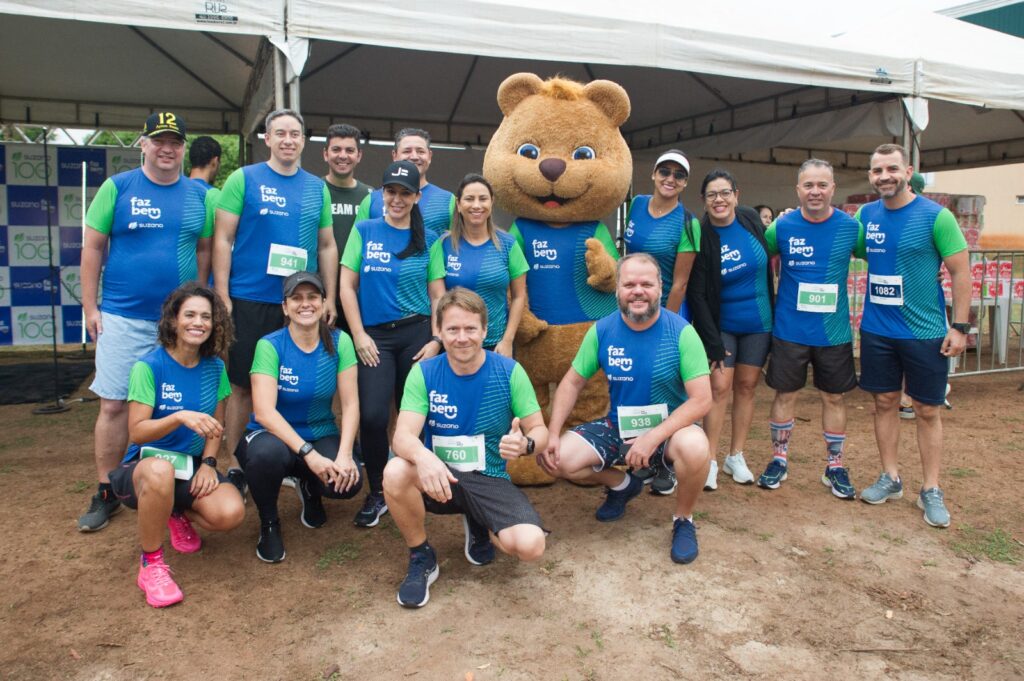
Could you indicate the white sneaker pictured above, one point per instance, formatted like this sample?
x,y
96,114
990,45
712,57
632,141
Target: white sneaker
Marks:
x,y
736,466
712,482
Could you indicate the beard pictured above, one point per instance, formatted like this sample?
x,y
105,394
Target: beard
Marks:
x,y
901,184
638,317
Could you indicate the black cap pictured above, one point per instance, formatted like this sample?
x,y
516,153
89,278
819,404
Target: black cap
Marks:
x,y
302,277
164,121
403,173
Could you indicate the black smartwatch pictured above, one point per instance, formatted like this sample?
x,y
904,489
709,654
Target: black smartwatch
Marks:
x,y
962,327
306,448
531,444
211,462
437,339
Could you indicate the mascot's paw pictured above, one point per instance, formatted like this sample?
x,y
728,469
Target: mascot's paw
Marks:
x,y
525,472
530,326
601,267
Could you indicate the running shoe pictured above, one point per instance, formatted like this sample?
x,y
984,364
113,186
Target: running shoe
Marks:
x,y
156,582
932,502
614,506
736,466
906,412
645,474
373,508
838,479
415,589
773,475
684,541
270,548
101,509
313,514
236,476
479,549
885,488
183,536
712,481
665,481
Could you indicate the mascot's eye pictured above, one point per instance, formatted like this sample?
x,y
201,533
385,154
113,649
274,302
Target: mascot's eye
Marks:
x,y
584,154
529,151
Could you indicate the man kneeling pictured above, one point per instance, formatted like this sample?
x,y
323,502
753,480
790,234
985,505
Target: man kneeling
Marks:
x,y
659,387
480,410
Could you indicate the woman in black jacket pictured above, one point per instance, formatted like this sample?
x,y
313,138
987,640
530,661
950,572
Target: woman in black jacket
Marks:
x,y
731,298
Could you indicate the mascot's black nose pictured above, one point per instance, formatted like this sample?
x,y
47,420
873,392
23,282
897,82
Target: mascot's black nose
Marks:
x,y
552,168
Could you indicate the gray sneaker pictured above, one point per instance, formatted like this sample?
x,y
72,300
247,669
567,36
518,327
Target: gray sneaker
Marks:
x,y
884,489
99,513
664,482
931,502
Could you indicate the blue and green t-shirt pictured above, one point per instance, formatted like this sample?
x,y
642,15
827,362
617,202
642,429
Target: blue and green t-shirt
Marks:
x,y
746,304
389,288
664,238
486,269
273,209
558,270
646,367
904,249
157,380
153,230
306,381
812,307
436,205
483,403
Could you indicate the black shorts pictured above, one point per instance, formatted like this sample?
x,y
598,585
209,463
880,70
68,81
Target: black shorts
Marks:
x,y
252,321
746,348
123,486
493,502
834,369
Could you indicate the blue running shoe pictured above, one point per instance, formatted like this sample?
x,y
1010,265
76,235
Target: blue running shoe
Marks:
x,y
373,508
684,541
614,506
932,503
839,481
773,475
885,488
415,589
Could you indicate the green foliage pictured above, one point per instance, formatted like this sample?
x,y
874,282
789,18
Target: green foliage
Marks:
x,y
228,158
996,545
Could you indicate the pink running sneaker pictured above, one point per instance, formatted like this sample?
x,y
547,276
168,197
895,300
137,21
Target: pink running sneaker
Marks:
x,y
155,580
183,537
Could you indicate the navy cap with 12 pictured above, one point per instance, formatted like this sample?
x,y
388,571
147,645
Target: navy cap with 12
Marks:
x,y
164,122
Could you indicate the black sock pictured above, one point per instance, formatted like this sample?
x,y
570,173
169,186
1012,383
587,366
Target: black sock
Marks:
x,y
422,548
106,490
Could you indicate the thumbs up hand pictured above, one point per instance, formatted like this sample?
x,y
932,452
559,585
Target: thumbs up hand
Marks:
x,y
512,445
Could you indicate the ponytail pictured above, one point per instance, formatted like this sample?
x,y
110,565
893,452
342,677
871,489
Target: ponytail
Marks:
x,y
417,240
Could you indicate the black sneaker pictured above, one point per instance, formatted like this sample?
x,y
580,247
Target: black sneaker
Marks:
x,y
415,589
664,482
101,508
270,548
479,549
373,508
313,514
237,478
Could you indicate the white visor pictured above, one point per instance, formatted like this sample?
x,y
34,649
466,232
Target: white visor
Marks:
x,y
676,157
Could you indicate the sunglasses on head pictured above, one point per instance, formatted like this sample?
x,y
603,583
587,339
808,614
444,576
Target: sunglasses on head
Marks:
x,y
679,175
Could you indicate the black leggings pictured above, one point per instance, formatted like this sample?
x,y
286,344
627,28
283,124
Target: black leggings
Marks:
x,y
382,384
267,461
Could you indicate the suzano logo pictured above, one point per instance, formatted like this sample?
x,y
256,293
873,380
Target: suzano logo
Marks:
x,y
439,405
168,392
542,251
28,166
73,284
5,330
375,251
71,206
269,195
121,164
874,233
34,327
145,208
617,358
798,246
31,248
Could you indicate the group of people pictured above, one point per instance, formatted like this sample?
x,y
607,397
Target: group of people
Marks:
x,y
396,309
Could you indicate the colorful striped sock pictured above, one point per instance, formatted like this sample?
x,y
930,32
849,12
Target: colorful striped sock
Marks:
x,y
780,439
835,443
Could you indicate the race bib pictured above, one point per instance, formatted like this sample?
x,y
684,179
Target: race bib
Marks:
x,y
461,452
885,289
182,462
819,298
635,421
286,260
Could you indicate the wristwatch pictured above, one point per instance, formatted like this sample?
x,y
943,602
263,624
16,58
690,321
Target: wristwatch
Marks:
x,y
306,448
437,339
531,444
962,327
211,462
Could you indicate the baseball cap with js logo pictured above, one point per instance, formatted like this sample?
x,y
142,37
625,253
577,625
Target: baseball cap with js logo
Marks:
x,y
404,174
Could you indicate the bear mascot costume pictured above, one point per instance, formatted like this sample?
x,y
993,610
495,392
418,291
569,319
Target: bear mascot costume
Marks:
x,y
558,163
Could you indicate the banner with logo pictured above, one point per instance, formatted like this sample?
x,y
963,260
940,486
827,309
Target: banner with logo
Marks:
x,y
28,202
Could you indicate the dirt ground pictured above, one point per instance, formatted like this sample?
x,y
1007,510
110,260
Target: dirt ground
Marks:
x,y
790,584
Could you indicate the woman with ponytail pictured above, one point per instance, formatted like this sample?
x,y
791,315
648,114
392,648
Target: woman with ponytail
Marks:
x,y
388,291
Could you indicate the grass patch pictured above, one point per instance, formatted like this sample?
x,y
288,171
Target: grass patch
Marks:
x,y
895,541
79,486
996,545
700,515
963,473
338,554
764,536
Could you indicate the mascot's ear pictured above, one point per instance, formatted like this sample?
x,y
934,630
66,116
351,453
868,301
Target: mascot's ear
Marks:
x,y
516,88
609,97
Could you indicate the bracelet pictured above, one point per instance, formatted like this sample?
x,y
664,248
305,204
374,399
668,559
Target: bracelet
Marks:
x,y
437,340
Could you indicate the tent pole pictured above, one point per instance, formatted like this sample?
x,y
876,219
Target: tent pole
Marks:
x,y
278,80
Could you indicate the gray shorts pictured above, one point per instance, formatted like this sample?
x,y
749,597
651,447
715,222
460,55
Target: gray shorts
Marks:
x,y
123,342
493,502
746,348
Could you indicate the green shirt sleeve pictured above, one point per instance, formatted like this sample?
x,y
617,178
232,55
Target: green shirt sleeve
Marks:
x,y
232,196
861,250
363,211
693,361
352,257
435,267
414,397
771,239
517,265
524,399
687,246
514,231
100,215
585,363
265,360
326,219
451,210
142,385
947,235
346,350
224,389
212,197
602,235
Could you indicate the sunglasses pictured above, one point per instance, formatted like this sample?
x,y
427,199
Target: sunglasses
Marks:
x,y
679,175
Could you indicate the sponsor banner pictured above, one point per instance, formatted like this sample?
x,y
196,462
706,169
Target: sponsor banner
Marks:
x,y
29,205
3,164
6,333
30,246
69,166
3,202
70,246
70,286
26,165
32,286
5,286
3,247
69,205
33,325
122,160
71,316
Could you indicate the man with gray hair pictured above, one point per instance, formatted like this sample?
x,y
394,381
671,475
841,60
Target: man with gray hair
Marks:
x,y
273,219
659,388
812,322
